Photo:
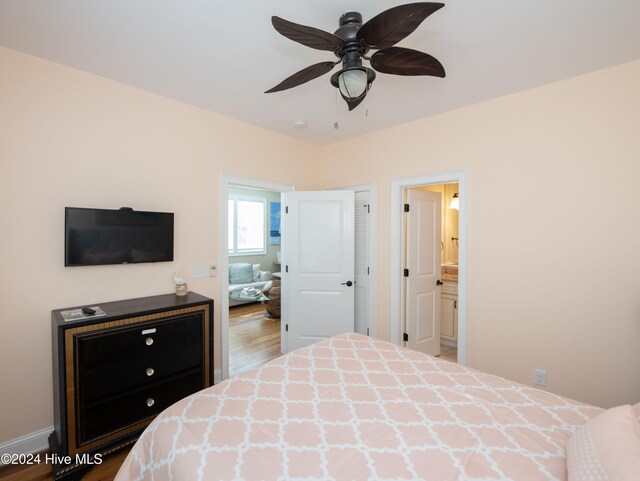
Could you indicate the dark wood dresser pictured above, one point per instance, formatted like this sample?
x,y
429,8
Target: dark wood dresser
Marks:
x,y
113,374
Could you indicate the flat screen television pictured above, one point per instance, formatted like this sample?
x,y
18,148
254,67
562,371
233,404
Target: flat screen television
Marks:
x,y
116,236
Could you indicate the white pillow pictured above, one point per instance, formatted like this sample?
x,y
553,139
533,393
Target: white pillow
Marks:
x,y
256,272
266,275
606,448
240,273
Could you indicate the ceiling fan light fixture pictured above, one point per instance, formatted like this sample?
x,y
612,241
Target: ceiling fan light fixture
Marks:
x,y
353,82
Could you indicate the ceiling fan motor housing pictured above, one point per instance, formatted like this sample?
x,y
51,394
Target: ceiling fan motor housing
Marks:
x,y
350,23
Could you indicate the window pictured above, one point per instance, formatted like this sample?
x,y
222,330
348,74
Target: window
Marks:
x,y
247,233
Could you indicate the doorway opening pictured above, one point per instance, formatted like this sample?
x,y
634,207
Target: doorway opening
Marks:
x,y
250,293
431,288
254,277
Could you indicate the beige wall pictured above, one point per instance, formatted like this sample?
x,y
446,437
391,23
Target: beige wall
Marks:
x,y
555,268
554,239
68,138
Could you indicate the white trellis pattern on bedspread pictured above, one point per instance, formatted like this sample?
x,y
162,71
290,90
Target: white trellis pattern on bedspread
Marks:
x,y
356,408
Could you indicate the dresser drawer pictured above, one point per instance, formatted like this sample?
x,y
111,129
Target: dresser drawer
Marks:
x,y
113,362
147,340
120,412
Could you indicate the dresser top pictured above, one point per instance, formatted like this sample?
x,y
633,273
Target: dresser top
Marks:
x,y
128,307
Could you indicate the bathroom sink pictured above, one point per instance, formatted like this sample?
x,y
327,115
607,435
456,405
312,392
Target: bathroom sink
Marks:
x,y
450,269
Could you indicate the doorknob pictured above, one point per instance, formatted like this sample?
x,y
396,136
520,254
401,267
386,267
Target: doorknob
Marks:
x,y
348,283
439,282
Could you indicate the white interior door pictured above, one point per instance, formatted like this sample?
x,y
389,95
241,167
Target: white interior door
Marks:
x,y
422,308
318,266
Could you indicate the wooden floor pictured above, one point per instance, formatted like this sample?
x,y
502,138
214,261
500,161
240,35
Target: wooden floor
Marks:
x,y
253,338
448,353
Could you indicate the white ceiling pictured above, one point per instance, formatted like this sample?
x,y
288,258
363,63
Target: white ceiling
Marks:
x,y
222,55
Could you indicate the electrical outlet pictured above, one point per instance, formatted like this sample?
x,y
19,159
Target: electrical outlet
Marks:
x,y
213,270
197,272
539,377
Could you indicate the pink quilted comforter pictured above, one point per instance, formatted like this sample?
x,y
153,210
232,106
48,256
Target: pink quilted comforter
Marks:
x,y
356,408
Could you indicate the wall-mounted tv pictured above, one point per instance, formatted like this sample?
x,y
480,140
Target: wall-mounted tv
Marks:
x,y
116,236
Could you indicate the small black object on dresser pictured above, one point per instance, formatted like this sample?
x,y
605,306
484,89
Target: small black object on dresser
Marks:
x,y
114,373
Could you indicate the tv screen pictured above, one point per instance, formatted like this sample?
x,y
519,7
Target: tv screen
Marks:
x,y
116,236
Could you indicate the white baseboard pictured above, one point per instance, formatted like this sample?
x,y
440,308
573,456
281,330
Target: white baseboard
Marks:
x,y
449,343
30,443
217,376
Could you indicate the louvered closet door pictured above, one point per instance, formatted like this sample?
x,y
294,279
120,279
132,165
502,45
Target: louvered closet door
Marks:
x,y
362,263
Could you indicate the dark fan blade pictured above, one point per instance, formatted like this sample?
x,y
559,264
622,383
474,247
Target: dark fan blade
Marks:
x,y
404,61
308,36
389,27
303,76
353,103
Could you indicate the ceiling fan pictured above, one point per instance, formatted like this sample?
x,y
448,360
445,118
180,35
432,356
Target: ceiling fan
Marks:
x,y
352,41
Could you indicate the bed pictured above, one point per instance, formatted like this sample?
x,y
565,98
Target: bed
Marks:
x,y
356,408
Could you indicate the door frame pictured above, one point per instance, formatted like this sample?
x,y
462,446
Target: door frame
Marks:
x,y
397,253
373,252
226,181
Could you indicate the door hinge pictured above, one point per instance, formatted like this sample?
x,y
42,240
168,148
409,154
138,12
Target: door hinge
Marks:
x,y
406,272
367,270
455,304
405,337
367,331
286,268
406,207
368,209
286,210
286,327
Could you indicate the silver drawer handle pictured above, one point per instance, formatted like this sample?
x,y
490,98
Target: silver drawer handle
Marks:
x,y
150,371
150,402
148,341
